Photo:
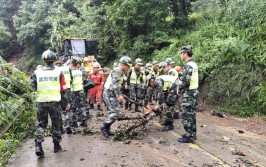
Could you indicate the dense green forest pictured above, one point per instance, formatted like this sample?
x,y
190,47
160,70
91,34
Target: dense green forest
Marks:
x,y
228,37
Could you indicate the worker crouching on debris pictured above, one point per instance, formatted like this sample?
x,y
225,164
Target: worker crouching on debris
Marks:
x,y
166,93
96,91
112,94
50,85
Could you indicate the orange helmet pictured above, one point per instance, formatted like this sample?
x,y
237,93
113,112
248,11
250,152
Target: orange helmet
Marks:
x,y
178,69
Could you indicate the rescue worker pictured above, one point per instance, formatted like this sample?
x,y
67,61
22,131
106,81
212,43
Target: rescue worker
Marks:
x,y
87,64
85,81
78,101
171,71
112,94
136,81
155,69
68,79
166,92
49,83
96,92
149,84
189,86
150,89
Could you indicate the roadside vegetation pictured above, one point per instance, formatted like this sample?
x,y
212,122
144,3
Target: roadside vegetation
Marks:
x,y
16,105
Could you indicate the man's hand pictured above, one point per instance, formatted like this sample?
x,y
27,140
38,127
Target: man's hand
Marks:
x,y
156,108
120,99
68,107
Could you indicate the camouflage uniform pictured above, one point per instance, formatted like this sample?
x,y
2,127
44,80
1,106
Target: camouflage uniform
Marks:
x,y
52,108
78,105
125,91
189,100
86,90
136,91
111,92
167,96
150,91
78,109
174,73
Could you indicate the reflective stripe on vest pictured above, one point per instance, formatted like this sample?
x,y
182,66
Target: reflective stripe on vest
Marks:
x,y
48,85
66,72
77,84
194,82
133,77
169,80
174,72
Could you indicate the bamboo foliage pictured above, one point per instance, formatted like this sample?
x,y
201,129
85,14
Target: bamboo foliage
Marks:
x,y
13,86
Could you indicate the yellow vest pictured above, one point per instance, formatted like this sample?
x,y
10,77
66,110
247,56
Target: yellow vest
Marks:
x,y
48,85
133,77
109,82
169,80
66,72
174,71
77,83
194,82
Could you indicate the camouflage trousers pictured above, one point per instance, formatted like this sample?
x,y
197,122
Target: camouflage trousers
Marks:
x,y
136,92
113,106
149,95
189,109
168,115
54,110
78,109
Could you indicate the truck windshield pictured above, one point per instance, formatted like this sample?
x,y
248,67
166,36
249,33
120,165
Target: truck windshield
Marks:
x,y
78,47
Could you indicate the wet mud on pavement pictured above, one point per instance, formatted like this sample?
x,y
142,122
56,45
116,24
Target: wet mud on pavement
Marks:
x,y
218,139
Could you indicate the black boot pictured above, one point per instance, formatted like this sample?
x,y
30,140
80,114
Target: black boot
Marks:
x,y
84,123
110,133
137,108
69,131
99,108
176,115
106,129
57,147
62,129
38,148
168,126
126,105
129,106
91,106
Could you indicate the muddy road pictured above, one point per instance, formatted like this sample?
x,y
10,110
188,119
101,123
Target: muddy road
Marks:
x,y
218,139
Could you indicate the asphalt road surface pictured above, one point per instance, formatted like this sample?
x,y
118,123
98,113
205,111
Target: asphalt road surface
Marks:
x,y
218,140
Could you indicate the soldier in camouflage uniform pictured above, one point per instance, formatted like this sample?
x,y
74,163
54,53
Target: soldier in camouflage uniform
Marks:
x,y
68,79
149,84
136,82
189,86
51,87
171,70
112,94
166,90
85,81
78,101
